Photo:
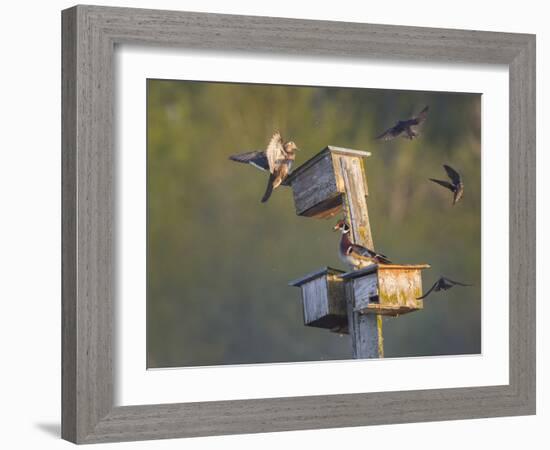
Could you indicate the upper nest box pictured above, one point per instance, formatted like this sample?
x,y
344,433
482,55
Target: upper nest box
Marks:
x,y
320,183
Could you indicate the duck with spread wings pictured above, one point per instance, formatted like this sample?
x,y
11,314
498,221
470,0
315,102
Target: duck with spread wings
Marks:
x,y
277,159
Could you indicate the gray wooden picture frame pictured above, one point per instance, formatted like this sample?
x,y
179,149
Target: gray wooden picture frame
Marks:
x,y
90,34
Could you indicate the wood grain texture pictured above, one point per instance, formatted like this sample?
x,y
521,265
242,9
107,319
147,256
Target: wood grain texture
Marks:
x,y
336,296
323,300
89,210
350,171
89,37
337,173
318,184
363,289
400,288
522,283
365,330
68,227
315,298
314,185
396,287
295,36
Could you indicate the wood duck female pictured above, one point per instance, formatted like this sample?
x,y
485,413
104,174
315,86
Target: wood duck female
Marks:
x,y
277,159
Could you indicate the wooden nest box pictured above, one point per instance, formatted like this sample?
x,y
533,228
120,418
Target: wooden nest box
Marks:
x,y
323,299
334,180
389,290
320,183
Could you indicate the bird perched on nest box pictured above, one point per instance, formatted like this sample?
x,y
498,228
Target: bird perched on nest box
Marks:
x,y
356,255
277,159
456,186
406,128
442,285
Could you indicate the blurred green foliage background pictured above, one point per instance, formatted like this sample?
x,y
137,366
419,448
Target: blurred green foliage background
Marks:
x,y
218,261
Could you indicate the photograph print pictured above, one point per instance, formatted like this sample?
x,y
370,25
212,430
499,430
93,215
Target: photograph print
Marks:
x,y
302,223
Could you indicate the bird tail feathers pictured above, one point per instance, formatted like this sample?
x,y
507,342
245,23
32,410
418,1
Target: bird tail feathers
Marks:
x,y
269,189
383,259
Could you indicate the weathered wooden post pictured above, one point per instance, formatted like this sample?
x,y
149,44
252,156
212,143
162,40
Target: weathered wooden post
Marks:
x,y
334,180
376,291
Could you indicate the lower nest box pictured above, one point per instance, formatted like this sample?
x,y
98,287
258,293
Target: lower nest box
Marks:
x,y
323,299
389,290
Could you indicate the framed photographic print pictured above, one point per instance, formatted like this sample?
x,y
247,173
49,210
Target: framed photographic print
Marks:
x,y
277,224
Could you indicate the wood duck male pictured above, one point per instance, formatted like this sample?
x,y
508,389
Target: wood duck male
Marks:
x,y
356,255
277,158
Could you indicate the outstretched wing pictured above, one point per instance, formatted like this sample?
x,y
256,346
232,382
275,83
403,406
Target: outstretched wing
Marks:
x,y
443,183
456,282
257,159
390,134
275,152
429,291
421,117
453,174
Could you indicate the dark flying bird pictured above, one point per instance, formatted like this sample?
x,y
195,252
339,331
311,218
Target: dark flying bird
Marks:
x,y
277,159
442,285
356,255
406,128
456,186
